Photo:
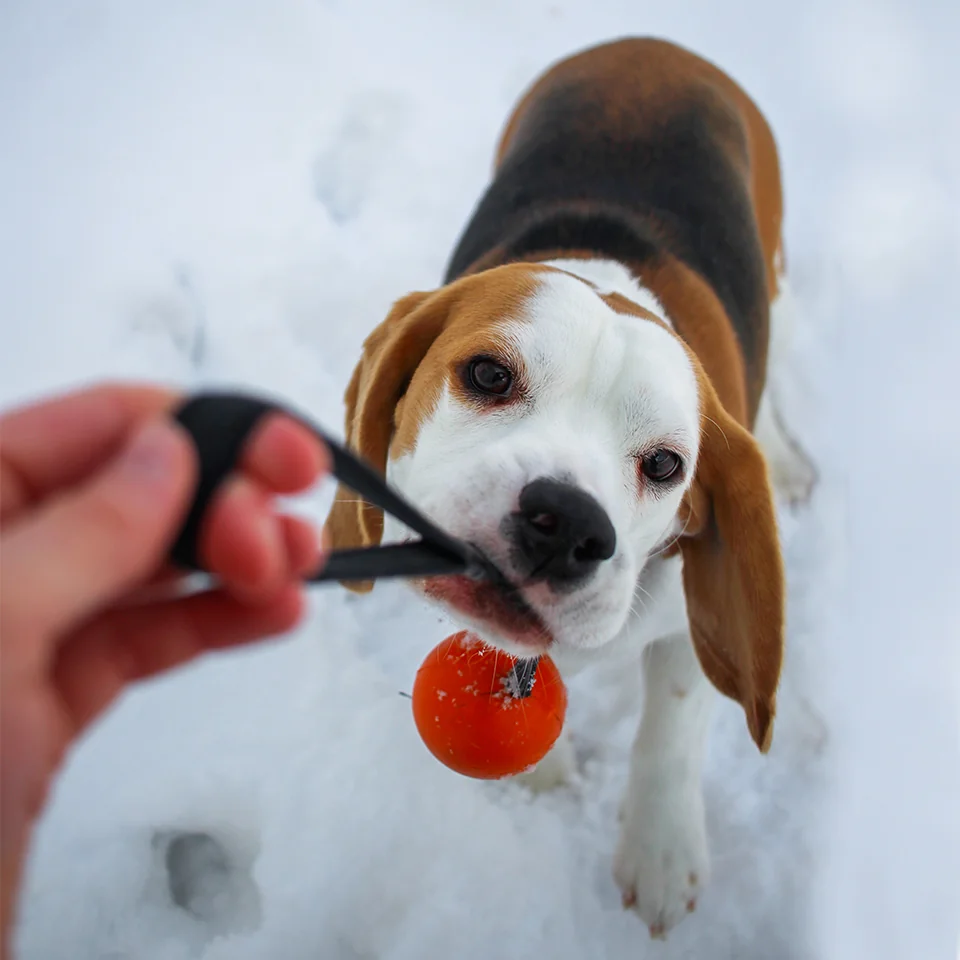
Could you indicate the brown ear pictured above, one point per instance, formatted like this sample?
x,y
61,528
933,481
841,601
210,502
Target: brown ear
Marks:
x,y
733,570
390,356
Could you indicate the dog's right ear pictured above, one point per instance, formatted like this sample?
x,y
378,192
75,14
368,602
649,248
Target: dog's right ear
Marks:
x,y
391,355
732,567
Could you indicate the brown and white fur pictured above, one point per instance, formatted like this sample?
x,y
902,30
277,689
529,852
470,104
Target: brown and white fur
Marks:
x,y
617,276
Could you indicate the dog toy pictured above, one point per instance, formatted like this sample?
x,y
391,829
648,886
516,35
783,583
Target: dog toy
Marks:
x,y
484,713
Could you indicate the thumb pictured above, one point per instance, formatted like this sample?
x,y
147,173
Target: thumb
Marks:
x,y
87,547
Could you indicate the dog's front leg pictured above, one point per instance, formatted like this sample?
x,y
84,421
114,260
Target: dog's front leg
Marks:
x,y
662,859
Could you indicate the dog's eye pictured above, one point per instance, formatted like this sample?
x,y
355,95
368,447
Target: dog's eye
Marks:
x,y
488,376
661,465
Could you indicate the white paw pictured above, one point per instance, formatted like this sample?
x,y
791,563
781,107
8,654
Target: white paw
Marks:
x,y
792,472
662,861
793,476
557,769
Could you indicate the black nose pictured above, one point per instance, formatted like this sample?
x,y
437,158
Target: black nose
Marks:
x,y
560,533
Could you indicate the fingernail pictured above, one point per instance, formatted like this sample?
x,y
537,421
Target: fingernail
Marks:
x,y
152,456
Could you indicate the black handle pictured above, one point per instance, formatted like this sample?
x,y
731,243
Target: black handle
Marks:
x,y
220,424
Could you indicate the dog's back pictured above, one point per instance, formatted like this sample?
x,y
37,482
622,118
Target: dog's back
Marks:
x,y
635,151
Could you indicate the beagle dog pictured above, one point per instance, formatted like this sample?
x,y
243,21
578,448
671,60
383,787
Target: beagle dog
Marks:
x,y
579,401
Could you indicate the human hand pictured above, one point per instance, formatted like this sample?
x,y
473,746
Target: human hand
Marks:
x,y
93,489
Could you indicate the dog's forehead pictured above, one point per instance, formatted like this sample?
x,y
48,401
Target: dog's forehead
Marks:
x,y
586,346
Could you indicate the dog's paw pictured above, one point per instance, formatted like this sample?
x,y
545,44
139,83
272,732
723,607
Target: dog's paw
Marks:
x,y
793,476
792,471
662,859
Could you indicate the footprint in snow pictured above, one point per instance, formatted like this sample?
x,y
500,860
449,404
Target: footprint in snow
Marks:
x,y
347,167
211,882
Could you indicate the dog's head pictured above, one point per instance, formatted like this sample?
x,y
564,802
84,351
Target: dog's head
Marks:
x,y
571,436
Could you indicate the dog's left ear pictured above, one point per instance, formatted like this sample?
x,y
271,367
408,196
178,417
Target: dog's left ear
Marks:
x,y
732,567
391,355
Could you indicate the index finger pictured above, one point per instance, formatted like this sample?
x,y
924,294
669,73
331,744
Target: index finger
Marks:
x,y
56,443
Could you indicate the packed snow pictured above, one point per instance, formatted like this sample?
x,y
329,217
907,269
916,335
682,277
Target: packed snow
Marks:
x,y
234,192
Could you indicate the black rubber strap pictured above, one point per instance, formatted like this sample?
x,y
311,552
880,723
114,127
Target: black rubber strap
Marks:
x,y
416,559
219,425
525,672
363,479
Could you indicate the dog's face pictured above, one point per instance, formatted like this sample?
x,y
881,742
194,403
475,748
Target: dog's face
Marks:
x,y
559,436
569,435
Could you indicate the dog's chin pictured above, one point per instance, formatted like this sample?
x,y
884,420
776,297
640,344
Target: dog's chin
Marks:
x,y
500,618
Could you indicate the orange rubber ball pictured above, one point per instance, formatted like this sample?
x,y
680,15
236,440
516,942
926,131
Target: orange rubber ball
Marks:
x,y
470,712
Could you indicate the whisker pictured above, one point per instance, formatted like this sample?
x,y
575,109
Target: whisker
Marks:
x,y
636,612
717,425
644,590
676,539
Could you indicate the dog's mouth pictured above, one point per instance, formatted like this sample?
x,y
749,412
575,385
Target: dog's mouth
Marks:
x,y
495,601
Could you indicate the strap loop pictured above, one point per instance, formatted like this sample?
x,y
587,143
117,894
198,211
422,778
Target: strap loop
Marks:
x,y
220,425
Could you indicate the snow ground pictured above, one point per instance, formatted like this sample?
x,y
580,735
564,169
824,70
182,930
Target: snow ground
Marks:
x,y
235,192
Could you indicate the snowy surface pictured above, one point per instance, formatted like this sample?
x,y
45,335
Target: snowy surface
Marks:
x,y
235,192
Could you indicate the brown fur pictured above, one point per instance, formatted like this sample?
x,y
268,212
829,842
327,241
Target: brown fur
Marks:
x,y
700,322
660,74
732,566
